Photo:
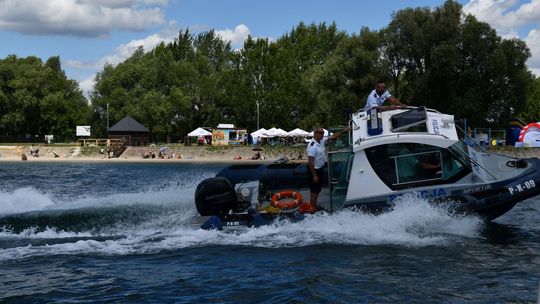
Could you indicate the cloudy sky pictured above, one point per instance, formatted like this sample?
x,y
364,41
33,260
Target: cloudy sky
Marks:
x,y
88,33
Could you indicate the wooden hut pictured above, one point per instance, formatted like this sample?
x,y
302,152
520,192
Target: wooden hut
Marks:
x,y
135,133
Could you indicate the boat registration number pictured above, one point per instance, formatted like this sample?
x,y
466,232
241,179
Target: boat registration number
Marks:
x,y
522,187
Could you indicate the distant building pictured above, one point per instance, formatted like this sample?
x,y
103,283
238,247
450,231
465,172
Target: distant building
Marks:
x,y
228,135
132,130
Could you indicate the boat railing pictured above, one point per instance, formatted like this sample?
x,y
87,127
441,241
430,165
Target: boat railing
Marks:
x,y
390,108
342,143
467,139
463,153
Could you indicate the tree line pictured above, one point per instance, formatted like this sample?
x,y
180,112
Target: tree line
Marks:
x,y
313,75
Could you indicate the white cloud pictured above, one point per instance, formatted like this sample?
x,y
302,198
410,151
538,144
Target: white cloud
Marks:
x,y
87,85
533,42
236,36
494,12
504,14
123,3
124,51
491,11
509,17
87,18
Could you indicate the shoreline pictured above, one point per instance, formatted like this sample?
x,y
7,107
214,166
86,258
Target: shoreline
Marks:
x,y
138,160
175,154
189,154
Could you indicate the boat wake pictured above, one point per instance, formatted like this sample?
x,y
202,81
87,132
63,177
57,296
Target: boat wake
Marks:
x,y
37,224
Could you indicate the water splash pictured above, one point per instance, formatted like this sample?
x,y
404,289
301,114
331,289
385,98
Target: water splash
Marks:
x,y
24,200
48,233
413,222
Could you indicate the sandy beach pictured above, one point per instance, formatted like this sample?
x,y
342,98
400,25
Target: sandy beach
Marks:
x,y
203,154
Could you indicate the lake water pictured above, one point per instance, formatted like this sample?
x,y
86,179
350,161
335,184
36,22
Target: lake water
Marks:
x,y
119,232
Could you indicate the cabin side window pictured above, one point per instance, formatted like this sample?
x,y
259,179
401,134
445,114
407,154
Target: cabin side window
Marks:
x,y
404,165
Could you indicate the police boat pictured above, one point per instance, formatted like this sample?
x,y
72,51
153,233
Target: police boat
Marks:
x,y
387,154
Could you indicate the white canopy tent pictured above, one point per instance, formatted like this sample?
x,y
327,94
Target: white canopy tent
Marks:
x,y
256,135
297,133
282,133
274,133
326,133
199,132
258,132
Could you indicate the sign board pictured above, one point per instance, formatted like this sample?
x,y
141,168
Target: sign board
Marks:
x,y
225,126
83,130
228,137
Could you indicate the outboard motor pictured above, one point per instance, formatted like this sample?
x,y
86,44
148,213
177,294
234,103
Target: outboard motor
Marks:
x,y
215,196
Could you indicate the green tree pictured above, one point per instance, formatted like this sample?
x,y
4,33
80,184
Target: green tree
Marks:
x,y
456,64
531,112
340,86
38,99
171,89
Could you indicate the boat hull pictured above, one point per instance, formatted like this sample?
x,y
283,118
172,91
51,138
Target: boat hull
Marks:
x,y
487,200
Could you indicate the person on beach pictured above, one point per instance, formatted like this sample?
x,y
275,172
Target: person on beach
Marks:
x,y
316,163
379,95
257,156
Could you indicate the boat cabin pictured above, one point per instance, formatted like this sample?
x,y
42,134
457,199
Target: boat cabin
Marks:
x,y
395,150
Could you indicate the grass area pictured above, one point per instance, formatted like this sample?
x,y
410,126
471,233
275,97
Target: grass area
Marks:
x,y
88,151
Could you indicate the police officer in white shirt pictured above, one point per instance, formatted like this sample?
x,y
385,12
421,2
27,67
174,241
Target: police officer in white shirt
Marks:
x,y
379,95
316,163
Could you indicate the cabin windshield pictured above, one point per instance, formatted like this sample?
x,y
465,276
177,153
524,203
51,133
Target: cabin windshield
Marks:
x,y
413,120
404,165
461,151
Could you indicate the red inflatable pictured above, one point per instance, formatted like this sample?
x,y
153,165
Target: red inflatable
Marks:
x,y
530,133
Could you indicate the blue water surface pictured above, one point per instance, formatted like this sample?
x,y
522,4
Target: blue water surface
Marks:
x,y
120,232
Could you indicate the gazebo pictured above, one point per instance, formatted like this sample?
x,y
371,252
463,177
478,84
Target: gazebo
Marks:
x,y
199,132
201,135
135,133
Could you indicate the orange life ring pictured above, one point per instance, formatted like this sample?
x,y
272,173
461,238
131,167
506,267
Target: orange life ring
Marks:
x,y
286,204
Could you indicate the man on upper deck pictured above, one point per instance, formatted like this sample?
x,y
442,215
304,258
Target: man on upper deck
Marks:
x,y
379,95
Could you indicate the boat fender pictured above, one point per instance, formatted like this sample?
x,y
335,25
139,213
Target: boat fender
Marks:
x,y
213,223
286,204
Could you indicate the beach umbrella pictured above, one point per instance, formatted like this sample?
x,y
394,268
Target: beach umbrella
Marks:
x,y
199,132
